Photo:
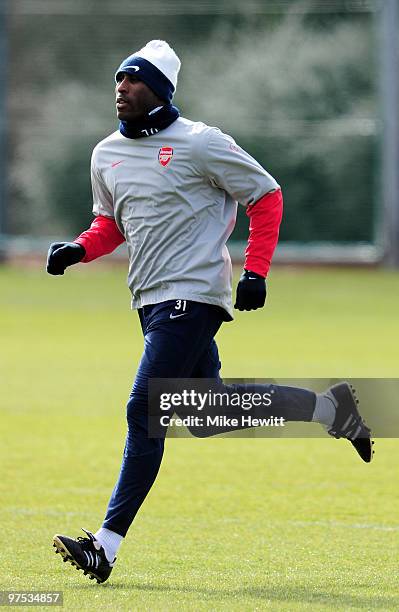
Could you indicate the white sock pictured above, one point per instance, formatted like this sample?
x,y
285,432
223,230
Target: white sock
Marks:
x,y
110,541
324,411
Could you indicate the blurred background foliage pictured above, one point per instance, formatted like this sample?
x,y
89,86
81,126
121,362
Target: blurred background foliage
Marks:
x,y
293,85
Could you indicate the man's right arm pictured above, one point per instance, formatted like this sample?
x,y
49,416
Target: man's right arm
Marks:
x,y
101,238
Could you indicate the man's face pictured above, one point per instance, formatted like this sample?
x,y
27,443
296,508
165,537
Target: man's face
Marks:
x,y
134,99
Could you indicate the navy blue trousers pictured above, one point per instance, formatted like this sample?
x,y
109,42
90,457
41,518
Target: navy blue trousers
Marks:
x,y
178,343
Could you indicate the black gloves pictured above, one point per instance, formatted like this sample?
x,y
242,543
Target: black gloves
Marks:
x,y
251,291
63,254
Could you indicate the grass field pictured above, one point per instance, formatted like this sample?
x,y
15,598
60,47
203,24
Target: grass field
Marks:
x,y
231,524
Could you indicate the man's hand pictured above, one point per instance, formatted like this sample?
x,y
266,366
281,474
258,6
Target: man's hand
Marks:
x,y
251,291
63,254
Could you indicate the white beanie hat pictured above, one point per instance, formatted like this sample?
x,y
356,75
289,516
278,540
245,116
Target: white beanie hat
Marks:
x,y
161,55
157,65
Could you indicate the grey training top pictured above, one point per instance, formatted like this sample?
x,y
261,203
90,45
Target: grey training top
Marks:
x,y
174,197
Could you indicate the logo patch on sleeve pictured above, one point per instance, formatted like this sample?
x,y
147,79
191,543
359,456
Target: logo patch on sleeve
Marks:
x,y
165,155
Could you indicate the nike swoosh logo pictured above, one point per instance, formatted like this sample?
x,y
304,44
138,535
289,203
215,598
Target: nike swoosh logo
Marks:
x,y
172,316
117,163
252,278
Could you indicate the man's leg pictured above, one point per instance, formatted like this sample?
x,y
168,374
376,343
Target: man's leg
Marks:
x,y
335,409
172,349
176,334
290,403
177,345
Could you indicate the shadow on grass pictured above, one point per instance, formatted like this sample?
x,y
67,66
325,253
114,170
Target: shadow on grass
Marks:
x,y
284,594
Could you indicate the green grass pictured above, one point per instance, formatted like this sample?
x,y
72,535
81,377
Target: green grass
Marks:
x,y
231,524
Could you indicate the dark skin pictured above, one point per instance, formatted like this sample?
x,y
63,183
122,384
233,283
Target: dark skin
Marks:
x,y
134,99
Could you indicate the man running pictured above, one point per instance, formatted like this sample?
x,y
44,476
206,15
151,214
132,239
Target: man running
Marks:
x,y
169,187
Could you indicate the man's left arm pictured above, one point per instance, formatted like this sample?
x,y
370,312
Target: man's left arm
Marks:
x,y
264,224
232,169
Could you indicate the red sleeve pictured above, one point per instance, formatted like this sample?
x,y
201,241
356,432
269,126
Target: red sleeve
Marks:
x,y
101,238
265,218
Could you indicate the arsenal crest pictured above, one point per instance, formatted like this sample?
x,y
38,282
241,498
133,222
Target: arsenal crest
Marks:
x,y
165,155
